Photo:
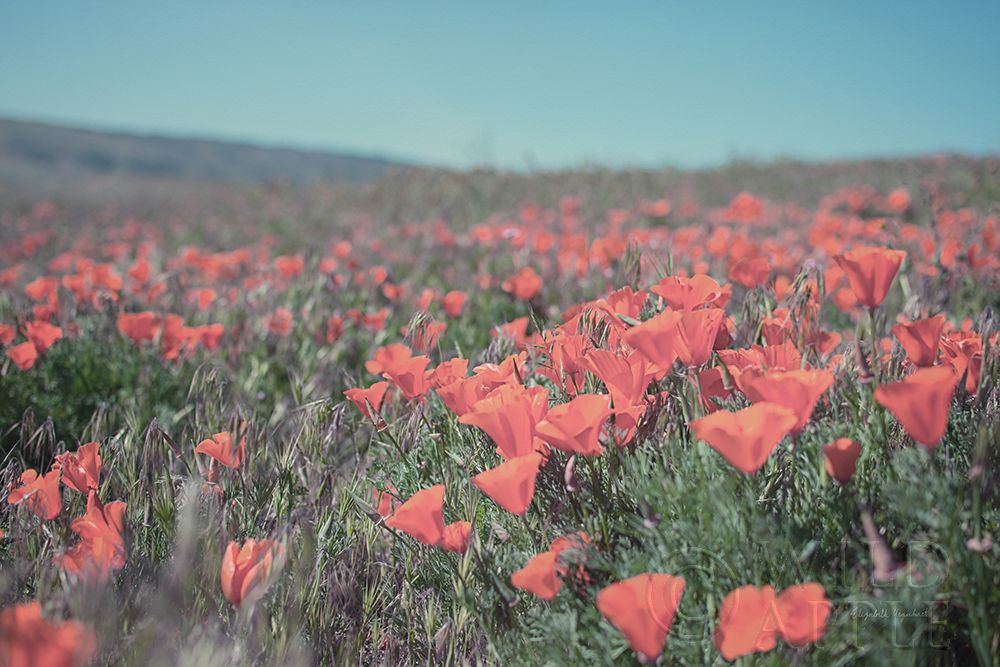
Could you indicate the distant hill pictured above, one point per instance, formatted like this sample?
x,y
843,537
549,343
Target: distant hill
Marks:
x,y
46,157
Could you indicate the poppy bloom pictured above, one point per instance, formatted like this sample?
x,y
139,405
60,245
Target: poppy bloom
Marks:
x,y
453,303
841,457
28,640
510,415
511,484
456,536
625,377
139,327
538,576
691,293
7,334
409,376
747,437
368,399
39,493
797,390
870,271
280,322
42,334
696,333
656,339
461,395
524,285
24,355
246,570
101,548
921,402
220,447
748,622
643,609
575,427
920,339
803,610
421,516
81,470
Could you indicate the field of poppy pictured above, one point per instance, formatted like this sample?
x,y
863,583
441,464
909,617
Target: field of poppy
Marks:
x,y
312,426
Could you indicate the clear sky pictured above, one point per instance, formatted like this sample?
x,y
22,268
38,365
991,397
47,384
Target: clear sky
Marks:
x,y
519,84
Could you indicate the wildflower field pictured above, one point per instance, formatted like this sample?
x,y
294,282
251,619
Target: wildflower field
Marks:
x,y
463,420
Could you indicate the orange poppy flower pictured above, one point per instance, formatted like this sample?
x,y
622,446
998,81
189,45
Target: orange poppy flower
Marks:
x,y
409,376
690,293
220,447
696,333
797,390
421,516
921,402
139,327
280,322
870,271
748,622
625,377
39,493
28,640
447,372
456,536
81,470
575,427
747,437
510,415
841,457
803,610
453,303
524,285
511,484
23,355
368,399
538,576
750,271
460,396
246,570
101,548
7,334
42,334
656,339
643,609
920,339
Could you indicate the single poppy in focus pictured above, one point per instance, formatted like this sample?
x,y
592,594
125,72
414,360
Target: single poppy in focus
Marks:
x,y
366,400
804,611
512,483
456,536
246,570
538,576
797,390
643,609
81,470
220,447
870,272
747,437
101,548
841,457
748,622
421,516
696,333
656,339
40,494
575,427
921,339
510,415
28,640
921,402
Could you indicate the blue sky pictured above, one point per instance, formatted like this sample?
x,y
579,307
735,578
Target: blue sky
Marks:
x,y
519,84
